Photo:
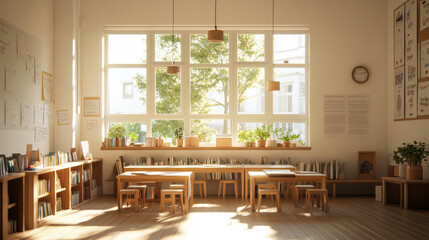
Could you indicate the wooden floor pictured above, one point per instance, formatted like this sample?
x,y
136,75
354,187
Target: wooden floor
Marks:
x,y
230,218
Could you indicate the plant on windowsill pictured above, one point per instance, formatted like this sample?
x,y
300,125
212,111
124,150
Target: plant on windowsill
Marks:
x,y
117,132
413,154
133,136
178,136
247,137
286,136
262,134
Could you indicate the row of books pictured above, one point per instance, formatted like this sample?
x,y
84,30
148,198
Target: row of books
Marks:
x,y
86,175
14,163
44,186
44,210
75,199
86,193
114,142
59,204
11,226
332,169
58,158
75,177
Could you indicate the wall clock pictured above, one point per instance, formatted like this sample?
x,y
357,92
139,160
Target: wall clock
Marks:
x,y
360,74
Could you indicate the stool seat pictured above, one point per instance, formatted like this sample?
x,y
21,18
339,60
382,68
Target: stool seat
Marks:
x,y
142,189
229,181
128,193
177,186
270,192
321,193
173,193
200,184
297,191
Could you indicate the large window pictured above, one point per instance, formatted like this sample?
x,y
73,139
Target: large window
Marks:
x,y
221,87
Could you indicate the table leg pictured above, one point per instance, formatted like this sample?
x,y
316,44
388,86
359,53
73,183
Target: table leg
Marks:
x,y
384,192
405,196
242,185
246,191
192,190
186,195
252,194
334,190
401,195
118,196
323,183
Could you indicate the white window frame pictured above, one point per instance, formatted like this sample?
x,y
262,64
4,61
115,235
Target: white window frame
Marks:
x,y
268,117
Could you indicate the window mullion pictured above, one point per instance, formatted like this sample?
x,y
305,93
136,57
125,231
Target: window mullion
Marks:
x,y
151,79
269,74
185,90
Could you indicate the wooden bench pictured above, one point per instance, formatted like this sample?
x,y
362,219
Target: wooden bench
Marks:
x,y
334,183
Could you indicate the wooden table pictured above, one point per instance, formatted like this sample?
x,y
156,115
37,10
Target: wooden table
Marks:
x,y
412,193
260,176
261,167
334,183
164,176
206,168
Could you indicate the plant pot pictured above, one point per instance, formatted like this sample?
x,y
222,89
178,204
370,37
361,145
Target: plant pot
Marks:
x,y
262,143
180,142
402,170
286,143
250,144
271,143
414,172
293,144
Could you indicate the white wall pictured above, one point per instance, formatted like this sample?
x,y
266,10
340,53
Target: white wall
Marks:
x,y
35,17
343,34
400,131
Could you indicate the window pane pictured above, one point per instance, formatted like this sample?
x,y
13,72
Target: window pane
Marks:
x,y
126,48
203,51
249,125
289,48
127,90
207,129
164,48
251,47
294,128
167,97
290,99
137,129
209,90
166,128
251,90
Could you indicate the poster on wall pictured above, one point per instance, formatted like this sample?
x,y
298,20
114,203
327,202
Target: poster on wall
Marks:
x,y
424,14
411,59
423,98
399,36
399,93
424,59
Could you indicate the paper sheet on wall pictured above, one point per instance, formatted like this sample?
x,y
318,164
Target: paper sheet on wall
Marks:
x,y
47,114
12,80
38,113
47,86
346,115
31,68
398,101
424,14
411,59
6,38
1,113
423,98
41,134
399,36
12,113
37,72
92,125
22,41
424,59
91,106
63,117
27,115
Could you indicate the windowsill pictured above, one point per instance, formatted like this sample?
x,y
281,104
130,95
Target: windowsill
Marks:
x,y
205,148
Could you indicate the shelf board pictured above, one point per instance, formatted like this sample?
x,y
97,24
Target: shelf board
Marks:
x,y
75,185
11,205
60,190
43,195
205,148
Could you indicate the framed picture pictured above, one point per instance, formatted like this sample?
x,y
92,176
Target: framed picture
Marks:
x,y
91,107
63,117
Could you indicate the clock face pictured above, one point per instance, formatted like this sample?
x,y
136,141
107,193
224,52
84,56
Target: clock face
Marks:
x,y
360,74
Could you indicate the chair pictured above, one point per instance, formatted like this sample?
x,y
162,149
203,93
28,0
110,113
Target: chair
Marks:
x,y
270,192
224,182
142,190
128,193
267,186
321,194
200,184
173,193
297,191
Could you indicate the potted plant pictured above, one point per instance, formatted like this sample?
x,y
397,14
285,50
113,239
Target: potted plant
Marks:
x,y
286,136
262,134
133,136
117,132
413,154
247,137
178,136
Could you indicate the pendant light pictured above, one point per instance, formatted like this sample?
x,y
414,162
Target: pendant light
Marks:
x,y
273,85
172,69
215,35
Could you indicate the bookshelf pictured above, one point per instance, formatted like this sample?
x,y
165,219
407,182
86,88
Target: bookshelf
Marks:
x,y
12,203
205,148
63,181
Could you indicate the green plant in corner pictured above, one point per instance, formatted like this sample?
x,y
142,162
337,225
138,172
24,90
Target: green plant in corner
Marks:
x,y
116,131
411,153
264,132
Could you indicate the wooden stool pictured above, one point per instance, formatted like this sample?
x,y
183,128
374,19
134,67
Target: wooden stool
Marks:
x,y
297,191
320,193
128,193
270,192
200,184
142,189
288,188
172,193
267,186
224,182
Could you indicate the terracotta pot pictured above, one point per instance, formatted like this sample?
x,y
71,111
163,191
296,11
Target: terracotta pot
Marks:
x,y
261,143
180,142
415,172
402,170
250,144
286,143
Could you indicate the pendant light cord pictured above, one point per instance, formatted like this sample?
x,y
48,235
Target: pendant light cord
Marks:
x,y
173,42
215,14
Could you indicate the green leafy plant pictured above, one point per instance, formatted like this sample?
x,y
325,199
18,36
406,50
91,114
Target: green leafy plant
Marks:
x,y
286,135
264,132
178,133
133,136
246,136
411,153
117,131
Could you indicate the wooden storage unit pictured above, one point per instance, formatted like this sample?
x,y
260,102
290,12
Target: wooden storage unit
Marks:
x,y
77,185
366,165
86,181
12,202
64,190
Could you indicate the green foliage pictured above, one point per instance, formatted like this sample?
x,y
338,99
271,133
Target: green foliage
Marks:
x,y
264,132
133,136
246,136
286,135
117,130
178,133
200,128
411,153
250,48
